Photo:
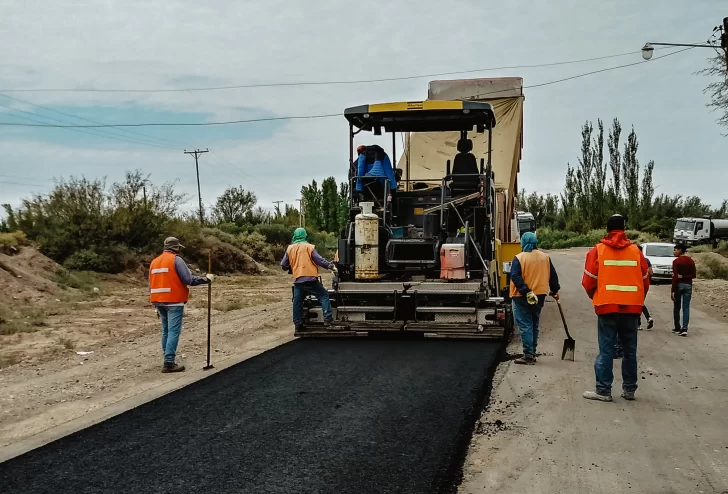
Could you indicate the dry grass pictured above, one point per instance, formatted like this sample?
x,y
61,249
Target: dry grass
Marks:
x,y
8,360
711,266
22,321
67,343
229,306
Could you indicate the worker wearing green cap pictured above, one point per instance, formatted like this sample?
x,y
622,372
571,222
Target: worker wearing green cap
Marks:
x,y
302,260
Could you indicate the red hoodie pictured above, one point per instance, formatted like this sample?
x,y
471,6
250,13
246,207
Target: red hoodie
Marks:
x,y
617,240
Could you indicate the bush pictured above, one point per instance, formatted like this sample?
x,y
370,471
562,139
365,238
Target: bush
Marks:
x,y
9,242
559,239
80,280
104,259
699,249
276,233
711,265
639,237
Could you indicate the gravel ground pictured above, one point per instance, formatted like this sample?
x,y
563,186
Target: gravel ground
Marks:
x,y
338,416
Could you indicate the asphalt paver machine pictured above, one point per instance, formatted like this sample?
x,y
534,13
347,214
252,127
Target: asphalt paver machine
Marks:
x,y
419,256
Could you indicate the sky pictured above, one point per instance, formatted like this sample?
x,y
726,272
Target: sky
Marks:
x,y
182,44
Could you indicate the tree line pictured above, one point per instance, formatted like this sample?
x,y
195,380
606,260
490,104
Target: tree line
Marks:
x,y
87,224
609,179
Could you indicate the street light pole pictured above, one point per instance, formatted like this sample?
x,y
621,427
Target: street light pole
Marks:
x,y
648,49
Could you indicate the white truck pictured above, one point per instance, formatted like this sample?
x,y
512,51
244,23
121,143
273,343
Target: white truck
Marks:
x,y
526,222
696,231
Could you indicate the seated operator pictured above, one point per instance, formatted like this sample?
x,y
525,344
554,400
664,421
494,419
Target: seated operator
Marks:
x,y
374,162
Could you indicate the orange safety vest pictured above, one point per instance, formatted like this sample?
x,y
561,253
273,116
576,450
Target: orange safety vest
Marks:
x,y
536,272
164,284
299,256
619,280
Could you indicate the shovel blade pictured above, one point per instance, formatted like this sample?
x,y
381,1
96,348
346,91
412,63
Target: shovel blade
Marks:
x,y
567,353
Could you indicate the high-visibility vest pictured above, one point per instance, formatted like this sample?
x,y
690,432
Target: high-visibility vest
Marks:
x,y
620,280
164,284
299,256
536,272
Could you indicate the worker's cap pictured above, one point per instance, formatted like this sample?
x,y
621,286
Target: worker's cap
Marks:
x,y
172,243
616,222
361,149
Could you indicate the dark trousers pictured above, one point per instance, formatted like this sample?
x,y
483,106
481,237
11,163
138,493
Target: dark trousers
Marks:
x,y
613,327
300,290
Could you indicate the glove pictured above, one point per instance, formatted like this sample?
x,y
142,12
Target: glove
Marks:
x,y
531,298
555,295
210,277
335,270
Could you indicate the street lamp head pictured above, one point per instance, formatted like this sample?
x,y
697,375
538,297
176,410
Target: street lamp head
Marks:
x,y
647,51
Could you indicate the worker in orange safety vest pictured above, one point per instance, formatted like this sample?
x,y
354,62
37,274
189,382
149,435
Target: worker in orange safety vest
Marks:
x,y
302,261
616,278
169,278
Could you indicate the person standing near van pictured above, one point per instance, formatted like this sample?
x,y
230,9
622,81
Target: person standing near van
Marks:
x,y
683,273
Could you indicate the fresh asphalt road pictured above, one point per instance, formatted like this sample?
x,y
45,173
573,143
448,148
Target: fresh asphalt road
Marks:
x,y
350,415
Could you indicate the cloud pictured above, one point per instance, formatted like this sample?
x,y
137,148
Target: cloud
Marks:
x,y
137,44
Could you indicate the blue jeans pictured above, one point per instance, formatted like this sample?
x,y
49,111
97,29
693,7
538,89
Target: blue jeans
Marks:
x,y
300,290
613,328
171,317
527,317
683,294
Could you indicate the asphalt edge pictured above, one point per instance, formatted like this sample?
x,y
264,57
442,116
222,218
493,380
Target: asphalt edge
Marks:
x,y
86,420
451,480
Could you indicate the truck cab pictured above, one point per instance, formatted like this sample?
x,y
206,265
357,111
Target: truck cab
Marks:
x,y
526,222
692,231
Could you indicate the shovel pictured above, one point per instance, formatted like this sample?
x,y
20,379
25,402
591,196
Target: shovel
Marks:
x,y
567,353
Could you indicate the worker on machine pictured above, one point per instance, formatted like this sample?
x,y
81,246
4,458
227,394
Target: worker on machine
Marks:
x,y
374,162
301,259
533,276
616,278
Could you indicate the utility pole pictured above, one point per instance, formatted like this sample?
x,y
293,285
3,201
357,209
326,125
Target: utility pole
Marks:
x,y
300,212
196,153
724,40
278,207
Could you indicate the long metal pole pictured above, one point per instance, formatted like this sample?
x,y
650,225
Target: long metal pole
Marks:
x,y
407,157
209,311
394,150
683,44
352,168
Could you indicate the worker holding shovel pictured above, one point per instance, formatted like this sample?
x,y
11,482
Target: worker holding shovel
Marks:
x,y
532,278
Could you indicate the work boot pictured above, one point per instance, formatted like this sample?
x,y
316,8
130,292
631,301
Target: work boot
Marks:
x,y
650,323
628,395
591,395
526,360
328,323
172,367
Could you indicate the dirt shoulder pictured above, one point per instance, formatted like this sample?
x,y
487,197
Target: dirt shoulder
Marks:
x,y
89,352
539,435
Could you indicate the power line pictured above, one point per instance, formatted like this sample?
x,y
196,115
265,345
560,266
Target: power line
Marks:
x,y
24,179
177,124
72,128
327,115
314,83
27,185
146,136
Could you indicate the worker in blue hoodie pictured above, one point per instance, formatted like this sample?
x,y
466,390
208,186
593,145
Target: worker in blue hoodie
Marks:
x,y
374,162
